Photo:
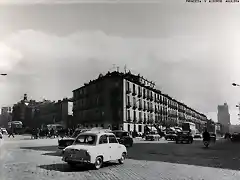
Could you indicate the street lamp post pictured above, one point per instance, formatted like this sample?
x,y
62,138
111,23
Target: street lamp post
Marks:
x,y
234,84
238,105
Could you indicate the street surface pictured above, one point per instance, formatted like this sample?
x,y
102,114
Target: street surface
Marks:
x,y
25,159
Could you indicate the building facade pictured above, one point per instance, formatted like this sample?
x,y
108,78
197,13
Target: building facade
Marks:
x,y
130,102
224,117
6,116
36,114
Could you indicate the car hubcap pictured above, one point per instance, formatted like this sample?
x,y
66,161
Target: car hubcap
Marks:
x,y
122,158
98,163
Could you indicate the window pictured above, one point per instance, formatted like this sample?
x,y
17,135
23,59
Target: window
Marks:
x,y
128,100
97,100
134,114
128,86
140,115
103,139
139,128
128,114
128,127
134,101
112,139
134,89
139,90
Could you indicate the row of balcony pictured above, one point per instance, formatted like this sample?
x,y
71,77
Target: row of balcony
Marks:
x,y
145,121
159,100
146,96
135,106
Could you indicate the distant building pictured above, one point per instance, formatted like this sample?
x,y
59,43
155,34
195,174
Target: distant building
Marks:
x,y
234,128
224,117
6,116
36,114
130,102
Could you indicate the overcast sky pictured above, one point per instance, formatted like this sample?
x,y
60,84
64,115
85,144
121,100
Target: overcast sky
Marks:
x,y
190,50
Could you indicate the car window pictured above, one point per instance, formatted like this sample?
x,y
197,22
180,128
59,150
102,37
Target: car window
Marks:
x,y
112,139
85,139
103,139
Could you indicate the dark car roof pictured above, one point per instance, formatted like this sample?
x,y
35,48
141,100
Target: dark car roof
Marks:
x,y
119,131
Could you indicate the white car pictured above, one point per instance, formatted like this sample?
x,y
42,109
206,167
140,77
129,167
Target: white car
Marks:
x,y
94,148
4,131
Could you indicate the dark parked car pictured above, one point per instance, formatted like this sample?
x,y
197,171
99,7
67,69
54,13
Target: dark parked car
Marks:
x,y
170,135
235,137
152,136
228,135
124,137
213,137
64,142
198,136
184,137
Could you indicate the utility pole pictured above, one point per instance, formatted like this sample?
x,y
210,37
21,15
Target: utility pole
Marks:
x,y
238,106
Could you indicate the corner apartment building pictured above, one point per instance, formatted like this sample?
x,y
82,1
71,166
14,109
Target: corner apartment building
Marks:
x,y
130,102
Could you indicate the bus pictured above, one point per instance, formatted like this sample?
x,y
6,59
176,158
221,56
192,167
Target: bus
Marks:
x,y
56,127
187,126
17,126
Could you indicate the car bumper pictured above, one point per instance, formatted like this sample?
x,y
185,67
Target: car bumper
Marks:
x,y
76,160
62,147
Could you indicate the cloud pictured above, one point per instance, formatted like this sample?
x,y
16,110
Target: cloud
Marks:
x,y
23,2
192,69
8,58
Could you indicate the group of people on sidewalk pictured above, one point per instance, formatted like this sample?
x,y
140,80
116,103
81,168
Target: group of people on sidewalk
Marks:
x,y
52,133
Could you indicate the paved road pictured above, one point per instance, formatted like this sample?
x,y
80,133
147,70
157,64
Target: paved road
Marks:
x,y
37,159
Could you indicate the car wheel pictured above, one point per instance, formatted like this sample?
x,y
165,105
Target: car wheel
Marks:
x,y
177,142
123,157
98,163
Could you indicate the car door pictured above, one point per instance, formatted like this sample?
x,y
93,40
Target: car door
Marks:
x,y
115,148
104,147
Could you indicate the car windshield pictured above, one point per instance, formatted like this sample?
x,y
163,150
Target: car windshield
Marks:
x,y
76,133
121,134
85,139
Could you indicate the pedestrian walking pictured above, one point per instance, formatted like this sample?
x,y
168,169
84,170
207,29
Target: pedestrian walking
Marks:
x,y
11,132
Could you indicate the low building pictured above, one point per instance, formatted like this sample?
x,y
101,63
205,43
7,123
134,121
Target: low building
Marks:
x,y
36,114
130,102
6,116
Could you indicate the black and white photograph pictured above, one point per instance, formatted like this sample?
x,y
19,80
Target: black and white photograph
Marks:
x,y
119,89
